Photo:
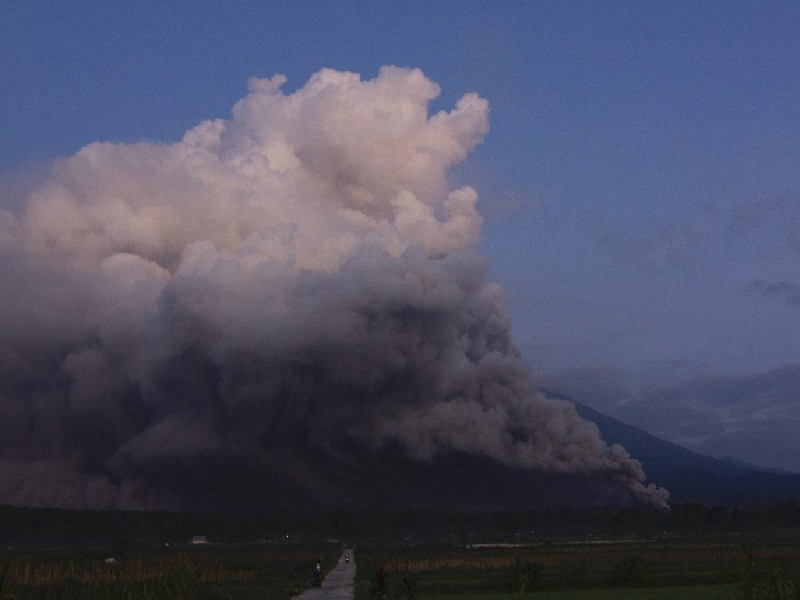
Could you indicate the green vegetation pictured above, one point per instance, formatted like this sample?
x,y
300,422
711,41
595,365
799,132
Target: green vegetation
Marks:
x,y
691,592
211,572
705,592
31,527
692,552
748,567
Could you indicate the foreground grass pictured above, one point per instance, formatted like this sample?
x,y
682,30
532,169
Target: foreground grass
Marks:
x,y
710,568
241,572
692,592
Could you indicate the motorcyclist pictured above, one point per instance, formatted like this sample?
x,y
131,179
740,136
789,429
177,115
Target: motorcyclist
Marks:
x,y
316,574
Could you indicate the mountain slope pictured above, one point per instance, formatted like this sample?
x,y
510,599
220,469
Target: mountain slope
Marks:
x,y
690,476
308,479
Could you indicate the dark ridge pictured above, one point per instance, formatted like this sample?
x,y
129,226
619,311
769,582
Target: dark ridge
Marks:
x,y
691,476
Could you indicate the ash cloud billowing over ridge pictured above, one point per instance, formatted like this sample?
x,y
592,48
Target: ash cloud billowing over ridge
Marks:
x,y
298,275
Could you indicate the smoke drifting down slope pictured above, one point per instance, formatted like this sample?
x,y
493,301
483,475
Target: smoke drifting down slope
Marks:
x,y
299,276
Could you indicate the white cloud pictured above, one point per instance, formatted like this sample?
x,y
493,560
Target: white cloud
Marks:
x,y
300,267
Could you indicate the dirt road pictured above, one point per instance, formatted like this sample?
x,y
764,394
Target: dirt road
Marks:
x,y
338,583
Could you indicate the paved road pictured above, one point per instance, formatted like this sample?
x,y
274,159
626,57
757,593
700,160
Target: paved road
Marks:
x,y
338,583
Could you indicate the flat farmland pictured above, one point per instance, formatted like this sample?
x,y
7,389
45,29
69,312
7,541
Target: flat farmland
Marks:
x,y
703,567
211,572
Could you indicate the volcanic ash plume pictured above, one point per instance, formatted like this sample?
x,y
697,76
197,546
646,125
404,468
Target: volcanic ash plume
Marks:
x,y
298,275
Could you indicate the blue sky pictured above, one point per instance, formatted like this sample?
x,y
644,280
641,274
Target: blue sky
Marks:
x,y
639,182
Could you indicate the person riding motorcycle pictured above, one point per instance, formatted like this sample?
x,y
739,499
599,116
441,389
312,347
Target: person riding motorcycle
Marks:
x,y
316,574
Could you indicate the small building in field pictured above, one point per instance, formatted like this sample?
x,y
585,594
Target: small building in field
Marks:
x,y
199,540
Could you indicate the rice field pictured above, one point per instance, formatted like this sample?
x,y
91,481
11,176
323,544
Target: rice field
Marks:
x,y
236,572
708,558
733,566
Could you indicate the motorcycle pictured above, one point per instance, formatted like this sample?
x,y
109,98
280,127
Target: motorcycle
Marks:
x,y
316,576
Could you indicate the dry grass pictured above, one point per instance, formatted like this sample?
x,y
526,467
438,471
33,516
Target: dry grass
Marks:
x,y
158,574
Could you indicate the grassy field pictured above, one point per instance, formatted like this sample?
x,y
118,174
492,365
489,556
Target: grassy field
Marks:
x,y
241,572
763,567
711,566
688,592
692,592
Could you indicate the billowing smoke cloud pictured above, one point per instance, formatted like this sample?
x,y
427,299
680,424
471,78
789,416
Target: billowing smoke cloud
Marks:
x,y
298,274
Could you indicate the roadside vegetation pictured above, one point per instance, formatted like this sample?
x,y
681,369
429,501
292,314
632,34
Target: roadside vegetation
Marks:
x,y
689,553
242,572
708,567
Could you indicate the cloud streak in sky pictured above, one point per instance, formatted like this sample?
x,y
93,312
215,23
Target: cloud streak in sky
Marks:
x,y
780,290
298,275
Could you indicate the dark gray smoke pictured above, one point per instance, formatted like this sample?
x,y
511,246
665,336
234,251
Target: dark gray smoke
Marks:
x,y
296,277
